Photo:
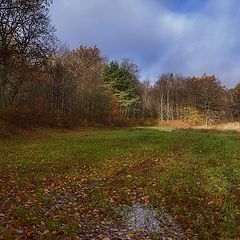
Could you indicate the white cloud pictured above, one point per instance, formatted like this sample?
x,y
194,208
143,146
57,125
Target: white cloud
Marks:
x,y
157,38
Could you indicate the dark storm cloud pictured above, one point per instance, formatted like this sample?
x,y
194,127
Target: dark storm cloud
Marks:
x,y
160,37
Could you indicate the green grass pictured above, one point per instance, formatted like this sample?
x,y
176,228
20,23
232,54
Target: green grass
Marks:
x,y
194,175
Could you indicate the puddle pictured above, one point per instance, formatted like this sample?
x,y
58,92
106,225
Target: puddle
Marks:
x,y
141,218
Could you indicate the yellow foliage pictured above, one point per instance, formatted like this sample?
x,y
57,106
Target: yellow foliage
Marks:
x,y
192,115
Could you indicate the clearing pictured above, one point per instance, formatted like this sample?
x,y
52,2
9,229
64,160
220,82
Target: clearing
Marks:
x,y
138,183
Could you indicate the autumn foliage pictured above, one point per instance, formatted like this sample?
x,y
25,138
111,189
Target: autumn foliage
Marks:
x,y
42,83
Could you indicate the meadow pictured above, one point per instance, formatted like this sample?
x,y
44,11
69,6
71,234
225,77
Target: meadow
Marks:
x,y
71,185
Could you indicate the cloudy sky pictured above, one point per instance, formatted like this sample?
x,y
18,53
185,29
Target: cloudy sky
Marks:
x,y
189,37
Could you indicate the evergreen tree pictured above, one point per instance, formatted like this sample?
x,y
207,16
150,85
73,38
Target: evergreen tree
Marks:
x,y
121,83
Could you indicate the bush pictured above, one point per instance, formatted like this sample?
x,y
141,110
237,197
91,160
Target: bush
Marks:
x,y
29,119
6,129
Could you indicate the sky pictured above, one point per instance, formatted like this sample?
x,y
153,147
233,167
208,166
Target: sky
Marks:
x,y
189,37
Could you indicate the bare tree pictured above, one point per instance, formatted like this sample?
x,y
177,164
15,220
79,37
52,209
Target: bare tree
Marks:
x,y
26,41
210,97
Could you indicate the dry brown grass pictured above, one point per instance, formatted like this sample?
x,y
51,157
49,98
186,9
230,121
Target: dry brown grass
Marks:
x,y
232,126
178,124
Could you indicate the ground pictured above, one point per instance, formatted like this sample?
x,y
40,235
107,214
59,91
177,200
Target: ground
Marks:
x,y
137,183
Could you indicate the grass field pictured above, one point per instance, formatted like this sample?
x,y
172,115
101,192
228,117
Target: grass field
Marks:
x,y
64,185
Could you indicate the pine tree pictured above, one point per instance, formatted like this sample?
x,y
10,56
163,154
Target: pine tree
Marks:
x,y
121,83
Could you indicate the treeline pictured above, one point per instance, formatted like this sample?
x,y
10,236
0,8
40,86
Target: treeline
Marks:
x,y
45,84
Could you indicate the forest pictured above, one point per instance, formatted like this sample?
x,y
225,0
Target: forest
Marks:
x,y
42,82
